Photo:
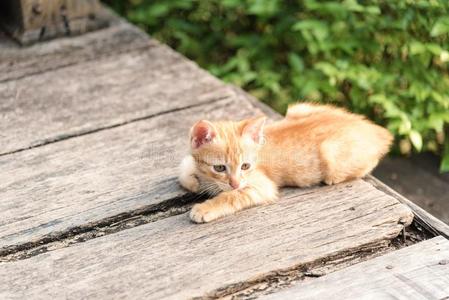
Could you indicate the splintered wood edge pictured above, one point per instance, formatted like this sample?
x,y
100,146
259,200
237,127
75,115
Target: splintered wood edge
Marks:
x,y
406,271
425,219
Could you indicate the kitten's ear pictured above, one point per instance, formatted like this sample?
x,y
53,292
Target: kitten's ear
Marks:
x,y
253,128
201,133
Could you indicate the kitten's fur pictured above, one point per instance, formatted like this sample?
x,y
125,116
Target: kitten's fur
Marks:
x,y
312,144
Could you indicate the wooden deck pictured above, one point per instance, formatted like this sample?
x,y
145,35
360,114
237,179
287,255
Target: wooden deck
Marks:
x,y
92,131
416,272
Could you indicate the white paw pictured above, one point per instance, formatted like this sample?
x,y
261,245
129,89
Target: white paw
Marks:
x,y
201,213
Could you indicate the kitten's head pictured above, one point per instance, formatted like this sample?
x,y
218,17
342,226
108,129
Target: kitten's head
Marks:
x,y
226,152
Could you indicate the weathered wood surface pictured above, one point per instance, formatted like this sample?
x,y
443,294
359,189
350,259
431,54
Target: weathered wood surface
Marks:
x,y
17,62
417,272
92,177
93,128
430,223
89,96
429,190
117,165
174,259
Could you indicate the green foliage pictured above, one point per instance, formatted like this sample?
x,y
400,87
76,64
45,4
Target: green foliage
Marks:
x,y
386,59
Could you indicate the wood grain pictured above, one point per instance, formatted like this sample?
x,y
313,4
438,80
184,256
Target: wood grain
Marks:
x,y
420,271
423,218
17,62
428,190
87,97
175,259
91,177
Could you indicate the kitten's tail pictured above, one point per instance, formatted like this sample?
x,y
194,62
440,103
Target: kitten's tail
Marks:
x,y
301,110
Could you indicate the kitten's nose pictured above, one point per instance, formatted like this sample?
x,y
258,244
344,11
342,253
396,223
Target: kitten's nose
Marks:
x,y
234,183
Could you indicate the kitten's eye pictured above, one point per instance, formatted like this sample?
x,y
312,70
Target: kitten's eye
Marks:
x,y
220,168
246,166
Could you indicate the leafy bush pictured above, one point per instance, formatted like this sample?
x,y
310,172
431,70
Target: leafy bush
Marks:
x,y
386,59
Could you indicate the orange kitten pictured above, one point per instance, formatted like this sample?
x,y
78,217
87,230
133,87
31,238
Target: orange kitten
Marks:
x,y
243,164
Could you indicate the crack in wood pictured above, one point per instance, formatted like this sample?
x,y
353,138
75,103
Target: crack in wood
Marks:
x,y
106,54
123,221
181,204
280,279
64,137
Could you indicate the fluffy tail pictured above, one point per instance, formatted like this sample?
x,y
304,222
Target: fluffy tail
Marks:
x,y
300,110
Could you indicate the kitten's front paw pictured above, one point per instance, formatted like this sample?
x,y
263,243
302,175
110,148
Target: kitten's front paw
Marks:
x,y
202,213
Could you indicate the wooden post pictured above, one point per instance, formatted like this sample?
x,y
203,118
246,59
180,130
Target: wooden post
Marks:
x,y
30,21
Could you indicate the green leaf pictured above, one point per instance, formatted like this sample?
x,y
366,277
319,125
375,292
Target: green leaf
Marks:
x,y
231,3
353,5
327,68
444,166
158,10
319,29
440,27
435,49
436,122
264,8
417,48
416,139
296,62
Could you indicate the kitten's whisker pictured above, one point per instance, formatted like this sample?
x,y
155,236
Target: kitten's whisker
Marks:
x,y
210,189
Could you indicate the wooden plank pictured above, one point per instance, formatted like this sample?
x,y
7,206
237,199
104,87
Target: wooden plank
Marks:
x,y
89,96
17,62
86,179
175,259
426,189
423,218
420,271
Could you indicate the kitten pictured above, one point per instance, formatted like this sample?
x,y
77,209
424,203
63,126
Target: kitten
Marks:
x,y
242,164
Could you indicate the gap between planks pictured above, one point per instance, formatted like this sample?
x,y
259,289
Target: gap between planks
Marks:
x,y
420,271
152,213
83,233
70,64
123,221
288,234
138,168
64,137
268,283
174,207
281,279
112,91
